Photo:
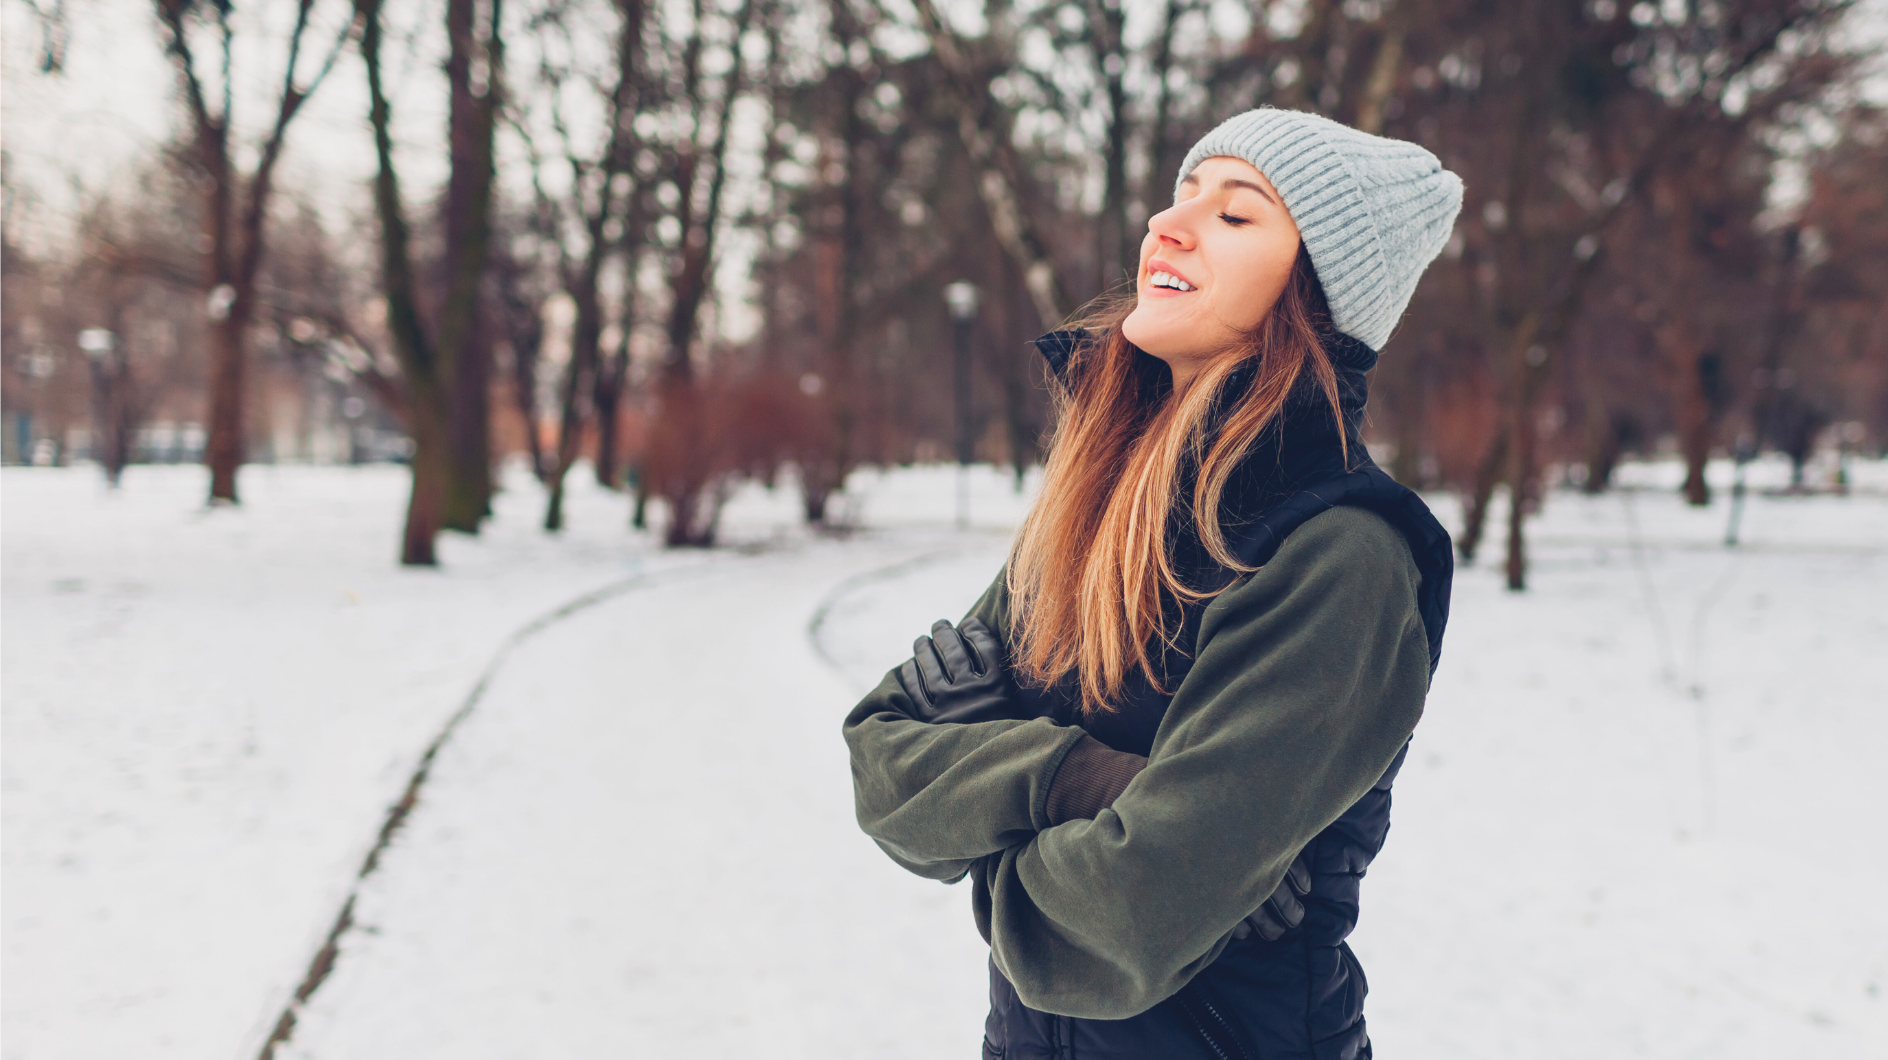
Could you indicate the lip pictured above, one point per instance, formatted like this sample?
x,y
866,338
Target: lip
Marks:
x,y
1155,265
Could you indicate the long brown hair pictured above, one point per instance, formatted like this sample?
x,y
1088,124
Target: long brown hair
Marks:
x,y
1091,572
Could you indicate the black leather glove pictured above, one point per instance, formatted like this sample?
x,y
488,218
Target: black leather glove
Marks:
x,y
957,675
1283,910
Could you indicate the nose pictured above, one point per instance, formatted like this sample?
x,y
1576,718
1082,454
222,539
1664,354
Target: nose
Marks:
x,y
1171,228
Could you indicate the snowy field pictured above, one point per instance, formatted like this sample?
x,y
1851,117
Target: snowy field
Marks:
x,y
1635,822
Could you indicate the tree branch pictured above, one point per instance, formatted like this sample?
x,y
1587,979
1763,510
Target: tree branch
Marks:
x,y
996,181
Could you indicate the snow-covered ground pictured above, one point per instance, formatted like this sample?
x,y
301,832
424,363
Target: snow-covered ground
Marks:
x,y
1637,820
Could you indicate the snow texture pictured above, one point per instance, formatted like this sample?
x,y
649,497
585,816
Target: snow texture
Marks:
x,y
1634,823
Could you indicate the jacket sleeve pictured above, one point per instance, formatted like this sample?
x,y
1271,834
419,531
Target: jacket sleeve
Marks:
x,y
1309,677
938,797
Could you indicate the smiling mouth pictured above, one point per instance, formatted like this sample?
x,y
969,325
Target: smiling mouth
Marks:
x,y
1169,281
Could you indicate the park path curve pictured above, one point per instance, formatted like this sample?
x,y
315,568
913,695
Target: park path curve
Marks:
x,y
641,842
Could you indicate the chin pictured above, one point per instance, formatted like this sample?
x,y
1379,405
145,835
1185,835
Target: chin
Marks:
x,y
1141,333
1150,338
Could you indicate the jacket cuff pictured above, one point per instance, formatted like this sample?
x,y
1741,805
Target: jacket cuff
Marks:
x,y
1091,776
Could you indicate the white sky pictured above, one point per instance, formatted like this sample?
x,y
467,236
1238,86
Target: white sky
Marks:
x,y
116,101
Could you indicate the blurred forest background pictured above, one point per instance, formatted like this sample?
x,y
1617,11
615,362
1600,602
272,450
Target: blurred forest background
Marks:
x,y
683,244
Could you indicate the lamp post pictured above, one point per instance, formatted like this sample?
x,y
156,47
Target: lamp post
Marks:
x,y
961,297
352,409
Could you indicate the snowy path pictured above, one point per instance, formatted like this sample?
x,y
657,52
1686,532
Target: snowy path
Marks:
x,y
641,845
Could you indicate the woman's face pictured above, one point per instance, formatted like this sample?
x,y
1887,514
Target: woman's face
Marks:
x,y
1221,255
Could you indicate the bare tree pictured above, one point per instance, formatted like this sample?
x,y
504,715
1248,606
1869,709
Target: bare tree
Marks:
x,y
589,229
237,204
984,130
520,289
474,82
442,365
1117,251
682,467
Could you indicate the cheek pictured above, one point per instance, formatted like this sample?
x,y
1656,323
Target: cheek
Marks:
x,y
1243,306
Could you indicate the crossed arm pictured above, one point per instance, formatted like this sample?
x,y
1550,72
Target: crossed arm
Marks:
x,y
1309,678
957,675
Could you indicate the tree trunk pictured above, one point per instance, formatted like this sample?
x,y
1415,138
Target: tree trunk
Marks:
x,y
1517,515
1603,428
469,487
426,506
524,334
578,377
685,460
813,501
464,340
1382,81
554,505
1693,409
607,398
223,449
528,412
1521,482
685,529
1530,375
1014,369
612,373
1162,149
1604,441
429,362
1487,476
821,466
1115,252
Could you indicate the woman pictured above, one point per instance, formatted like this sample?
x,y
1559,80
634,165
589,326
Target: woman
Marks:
x,y
1161,744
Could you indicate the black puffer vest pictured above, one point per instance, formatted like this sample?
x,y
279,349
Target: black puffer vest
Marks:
x,y
1300,997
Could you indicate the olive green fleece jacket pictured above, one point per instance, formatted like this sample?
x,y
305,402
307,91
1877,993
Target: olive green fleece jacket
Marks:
x,y
1308,677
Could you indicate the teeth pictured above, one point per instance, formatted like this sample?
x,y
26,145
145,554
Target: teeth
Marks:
x,y
1168,279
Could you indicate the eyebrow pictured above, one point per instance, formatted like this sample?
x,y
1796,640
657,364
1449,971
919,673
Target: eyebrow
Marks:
x,y
1234,182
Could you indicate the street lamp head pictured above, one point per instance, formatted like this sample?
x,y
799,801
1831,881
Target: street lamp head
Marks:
x,y
96,341
961,296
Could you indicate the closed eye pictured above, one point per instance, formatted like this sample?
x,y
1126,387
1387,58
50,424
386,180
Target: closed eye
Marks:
x,y
1234,220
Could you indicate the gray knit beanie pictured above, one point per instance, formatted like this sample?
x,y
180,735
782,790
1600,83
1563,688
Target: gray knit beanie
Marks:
x,y
1373,212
